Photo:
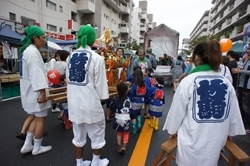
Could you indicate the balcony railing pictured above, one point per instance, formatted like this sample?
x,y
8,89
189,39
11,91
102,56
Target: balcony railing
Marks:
x,y
85,6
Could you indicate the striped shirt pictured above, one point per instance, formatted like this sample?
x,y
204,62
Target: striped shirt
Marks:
x,y
245,75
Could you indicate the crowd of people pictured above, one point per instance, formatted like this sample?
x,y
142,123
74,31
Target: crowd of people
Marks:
x,y
205,110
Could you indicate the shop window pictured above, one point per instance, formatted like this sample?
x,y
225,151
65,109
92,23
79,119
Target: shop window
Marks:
x,y
12,16
51,27
51,5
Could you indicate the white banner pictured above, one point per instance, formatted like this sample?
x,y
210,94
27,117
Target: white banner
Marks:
x,y
7,54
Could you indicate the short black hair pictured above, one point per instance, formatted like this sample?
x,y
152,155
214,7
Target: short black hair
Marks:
x,y
136,67
63,55
159,79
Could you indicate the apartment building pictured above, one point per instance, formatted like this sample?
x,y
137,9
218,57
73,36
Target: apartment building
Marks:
x,y
136,22
201,28
61,19
227,19
146,21
185,43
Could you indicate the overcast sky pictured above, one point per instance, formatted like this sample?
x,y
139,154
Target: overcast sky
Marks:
x,y
180,15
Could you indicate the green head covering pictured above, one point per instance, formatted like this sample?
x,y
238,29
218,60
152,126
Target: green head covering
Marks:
x,y
30,32
149,50
86,36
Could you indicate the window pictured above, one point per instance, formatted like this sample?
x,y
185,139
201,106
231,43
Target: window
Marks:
x,y
74,16
27,21
51,5
60,9
12,16
32,0
73,1
107,17
51,27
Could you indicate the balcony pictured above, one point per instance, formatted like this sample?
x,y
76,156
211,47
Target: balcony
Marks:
x,y
125,9
123,2
150,25
124,27
85,6
117,7
143,28
141,40
143,15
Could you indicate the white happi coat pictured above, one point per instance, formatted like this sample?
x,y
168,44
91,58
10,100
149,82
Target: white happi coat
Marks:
x,y
87,85
204,112
32,79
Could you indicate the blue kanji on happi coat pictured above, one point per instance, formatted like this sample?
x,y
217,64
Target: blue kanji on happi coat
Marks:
x,y
78,67
210,98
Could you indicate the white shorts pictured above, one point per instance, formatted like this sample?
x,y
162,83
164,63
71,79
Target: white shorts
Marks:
x,y
40,114
95,131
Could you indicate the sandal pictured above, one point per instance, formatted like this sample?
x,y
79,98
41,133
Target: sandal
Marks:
x,y
60,118
146,116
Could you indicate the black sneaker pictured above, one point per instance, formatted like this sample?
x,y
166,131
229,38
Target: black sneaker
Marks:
x,y
21,136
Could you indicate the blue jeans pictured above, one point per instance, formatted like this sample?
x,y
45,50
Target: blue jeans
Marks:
x,y
244,100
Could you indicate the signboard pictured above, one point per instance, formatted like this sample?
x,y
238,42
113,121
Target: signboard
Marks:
x,y
70,24
61,37
69,37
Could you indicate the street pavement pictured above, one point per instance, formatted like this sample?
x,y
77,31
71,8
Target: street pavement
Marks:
x,y
62,153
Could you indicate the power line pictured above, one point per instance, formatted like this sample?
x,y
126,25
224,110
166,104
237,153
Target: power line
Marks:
x,y
34,11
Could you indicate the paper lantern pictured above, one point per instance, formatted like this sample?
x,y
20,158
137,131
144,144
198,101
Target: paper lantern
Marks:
x,y
54,76
225,45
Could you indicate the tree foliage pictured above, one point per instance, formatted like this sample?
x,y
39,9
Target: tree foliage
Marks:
x,y
134,45
198,40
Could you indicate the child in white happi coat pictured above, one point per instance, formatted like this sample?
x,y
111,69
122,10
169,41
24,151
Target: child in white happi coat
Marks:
x,y
120,106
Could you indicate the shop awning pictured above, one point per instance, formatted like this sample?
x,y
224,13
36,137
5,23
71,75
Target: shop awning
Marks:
x,y
6,34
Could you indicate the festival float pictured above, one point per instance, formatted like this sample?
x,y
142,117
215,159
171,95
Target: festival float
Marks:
x,y
115,66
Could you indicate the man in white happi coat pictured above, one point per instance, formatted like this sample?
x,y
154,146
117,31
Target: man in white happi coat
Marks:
x,y
204,111
87,86
34,88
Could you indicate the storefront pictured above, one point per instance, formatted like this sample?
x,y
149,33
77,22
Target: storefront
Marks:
x,y
9,63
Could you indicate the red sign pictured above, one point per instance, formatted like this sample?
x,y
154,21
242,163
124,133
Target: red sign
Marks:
x,y
54,35
70,24
69,37
37,24
61,37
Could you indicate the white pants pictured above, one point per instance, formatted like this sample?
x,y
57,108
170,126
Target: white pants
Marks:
x,y
40,114
95,131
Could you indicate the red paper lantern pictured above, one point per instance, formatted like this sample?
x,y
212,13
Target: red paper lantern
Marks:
x,y
225,45
54,76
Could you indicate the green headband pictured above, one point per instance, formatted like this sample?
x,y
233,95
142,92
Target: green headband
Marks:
x,y
86,36
30,32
